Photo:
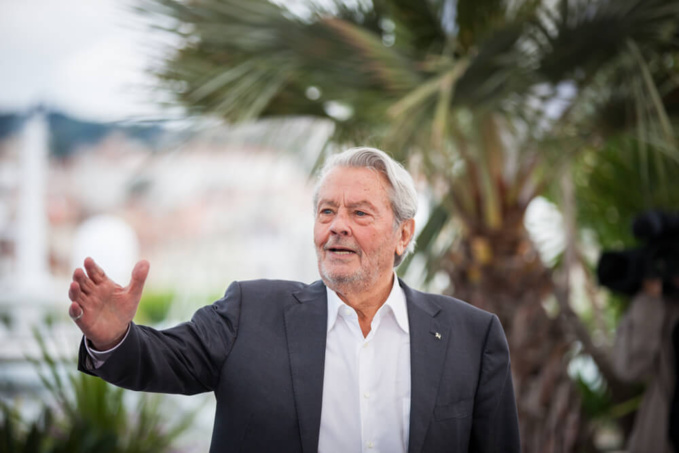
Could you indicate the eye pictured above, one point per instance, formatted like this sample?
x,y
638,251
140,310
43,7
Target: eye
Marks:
x,y
326,211
361,213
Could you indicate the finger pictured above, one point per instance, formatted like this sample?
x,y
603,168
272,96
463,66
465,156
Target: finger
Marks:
x,y
76,312
74,291
95,272
81,279
139,274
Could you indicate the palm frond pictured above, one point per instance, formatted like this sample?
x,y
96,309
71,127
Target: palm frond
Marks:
x,y
381,65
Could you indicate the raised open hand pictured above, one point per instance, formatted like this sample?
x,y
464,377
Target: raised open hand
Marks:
x,y
101,308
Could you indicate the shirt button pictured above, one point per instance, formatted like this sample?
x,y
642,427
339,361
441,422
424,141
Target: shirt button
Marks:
x,y
371,445
366,395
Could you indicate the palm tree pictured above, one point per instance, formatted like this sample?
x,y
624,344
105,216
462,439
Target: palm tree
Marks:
x,y
489,100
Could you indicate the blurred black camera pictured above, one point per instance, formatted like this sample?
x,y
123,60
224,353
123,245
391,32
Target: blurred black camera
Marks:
x,y
658,258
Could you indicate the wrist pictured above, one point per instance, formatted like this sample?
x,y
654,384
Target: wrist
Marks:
x,y
107,345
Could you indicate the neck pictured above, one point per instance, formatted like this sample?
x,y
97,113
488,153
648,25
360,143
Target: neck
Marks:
x,y
366,299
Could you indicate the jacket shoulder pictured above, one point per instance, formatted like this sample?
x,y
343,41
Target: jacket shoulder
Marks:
x,y
271,286
275,290
453,304
451,310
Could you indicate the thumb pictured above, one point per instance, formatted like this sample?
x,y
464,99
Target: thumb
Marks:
x,y
139,274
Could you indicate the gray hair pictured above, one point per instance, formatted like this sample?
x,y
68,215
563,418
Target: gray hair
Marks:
x,y
402,193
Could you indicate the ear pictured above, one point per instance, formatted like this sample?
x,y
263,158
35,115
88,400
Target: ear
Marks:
x,y
406,232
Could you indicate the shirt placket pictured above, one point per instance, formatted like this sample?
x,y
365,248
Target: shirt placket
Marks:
x,y
366,372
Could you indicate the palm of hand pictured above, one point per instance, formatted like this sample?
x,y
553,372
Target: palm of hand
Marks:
x,y
101,308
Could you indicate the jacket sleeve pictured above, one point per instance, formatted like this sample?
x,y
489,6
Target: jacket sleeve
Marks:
x,y
495,426
638,338
185,359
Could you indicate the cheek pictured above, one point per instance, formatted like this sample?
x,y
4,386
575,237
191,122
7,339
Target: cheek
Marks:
x,y
374,242
320,234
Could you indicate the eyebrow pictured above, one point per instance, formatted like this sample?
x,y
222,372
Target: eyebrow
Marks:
x,y
358,204
362,204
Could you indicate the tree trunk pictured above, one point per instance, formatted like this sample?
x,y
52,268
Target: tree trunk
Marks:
x,y
501,272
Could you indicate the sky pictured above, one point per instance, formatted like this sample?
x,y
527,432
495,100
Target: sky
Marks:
x,y
87,58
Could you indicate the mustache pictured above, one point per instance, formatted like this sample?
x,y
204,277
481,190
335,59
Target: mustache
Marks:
x,y
340,244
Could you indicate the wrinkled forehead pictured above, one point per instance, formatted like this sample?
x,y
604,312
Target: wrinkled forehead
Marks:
x,y
354,185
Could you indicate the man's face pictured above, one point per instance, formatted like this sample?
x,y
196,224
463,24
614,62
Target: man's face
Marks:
x,y
354,229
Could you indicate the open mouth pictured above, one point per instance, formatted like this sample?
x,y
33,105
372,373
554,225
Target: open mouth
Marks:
x,y
340,250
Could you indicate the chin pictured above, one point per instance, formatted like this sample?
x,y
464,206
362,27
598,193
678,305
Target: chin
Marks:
x,y
333,277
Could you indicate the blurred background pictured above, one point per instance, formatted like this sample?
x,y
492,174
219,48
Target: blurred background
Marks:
x,y
187,133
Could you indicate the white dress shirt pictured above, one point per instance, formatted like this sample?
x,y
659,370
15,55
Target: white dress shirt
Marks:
x,y
366,385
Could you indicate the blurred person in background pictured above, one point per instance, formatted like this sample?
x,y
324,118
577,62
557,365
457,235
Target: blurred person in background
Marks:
x,y
646,339
645,352
356,361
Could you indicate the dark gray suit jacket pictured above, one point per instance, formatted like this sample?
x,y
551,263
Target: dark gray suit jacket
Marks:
x,y
261,349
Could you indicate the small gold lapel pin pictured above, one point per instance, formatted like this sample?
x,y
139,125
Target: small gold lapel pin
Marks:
x,y
437,335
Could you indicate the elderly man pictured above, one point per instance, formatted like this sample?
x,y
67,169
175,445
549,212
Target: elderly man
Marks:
x,y
355,362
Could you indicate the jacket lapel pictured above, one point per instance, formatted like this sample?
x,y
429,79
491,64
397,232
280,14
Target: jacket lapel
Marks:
x,y
428,344
306,328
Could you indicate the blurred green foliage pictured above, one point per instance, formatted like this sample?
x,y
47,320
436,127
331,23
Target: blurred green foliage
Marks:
x,y
596,400
6,318
154,306
87,415
617,182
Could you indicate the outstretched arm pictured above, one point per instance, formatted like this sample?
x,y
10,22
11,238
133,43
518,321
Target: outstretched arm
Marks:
x,y
101,308
185,359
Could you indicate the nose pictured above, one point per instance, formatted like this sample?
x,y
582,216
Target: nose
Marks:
x,y
340,225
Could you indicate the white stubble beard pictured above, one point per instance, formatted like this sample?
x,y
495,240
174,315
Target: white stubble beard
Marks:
x,y
356,281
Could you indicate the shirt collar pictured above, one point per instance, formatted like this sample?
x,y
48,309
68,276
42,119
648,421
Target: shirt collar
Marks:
x,y
396,301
